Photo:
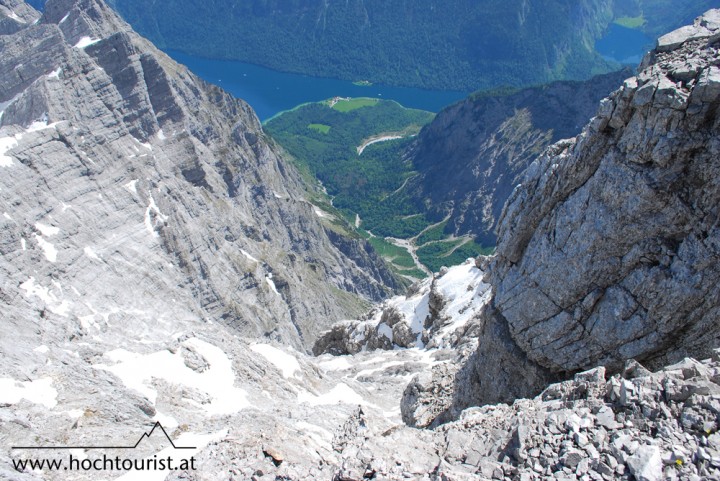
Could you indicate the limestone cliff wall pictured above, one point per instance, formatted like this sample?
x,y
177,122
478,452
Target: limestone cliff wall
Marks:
x,y
158,191
609,248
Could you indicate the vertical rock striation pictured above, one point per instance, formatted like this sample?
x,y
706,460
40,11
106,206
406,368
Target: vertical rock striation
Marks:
x,y
609,248
137,187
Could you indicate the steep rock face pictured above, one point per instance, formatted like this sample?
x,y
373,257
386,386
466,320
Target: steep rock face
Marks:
x,y
437,312
474,153
15,15
129,185
609,248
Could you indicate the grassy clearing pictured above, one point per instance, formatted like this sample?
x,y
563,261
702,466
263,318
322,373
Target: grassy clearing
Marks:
x,y
322,128
354,104
414,273
449,253
630,22
405,261
397,257
388,250
434,233
324,142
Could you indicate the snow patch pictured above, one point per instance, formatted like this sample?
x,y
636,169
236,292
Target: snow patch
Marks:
x,y
286,363
23,243
41,124
335,363
321,213
61,308
47,230
88,251
75,413
149,225
168,422
340,394
385,330
55,73
271,283
41,349
64,18
462,286
132,186
85,42
462,291
7,143
7,216
415,310
15,17
382,367
199,441
137,372
144,144
249,256
88,321
39,391
48,249
161,134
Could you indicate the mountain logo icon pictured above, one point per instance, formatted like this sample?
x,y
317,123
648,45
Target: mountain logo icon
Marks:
x,y
145,435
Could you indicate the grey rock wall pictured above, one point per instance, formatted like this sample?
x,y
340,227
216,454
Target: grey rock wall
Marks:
x,y
157,188
474,153
609,248
15,15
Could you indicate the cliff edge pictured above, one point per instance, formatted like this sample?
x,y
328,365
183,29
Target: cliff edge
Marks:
x,y
608,250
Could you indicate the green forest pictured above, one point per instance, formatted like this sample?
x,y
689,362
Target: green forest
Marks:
x,y
462,45
332,142
459,45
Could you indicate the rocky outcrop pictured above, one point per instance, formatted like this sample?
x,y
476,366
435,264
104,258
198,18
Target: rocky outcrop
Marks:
x,y
438,312
632,426
139,206
641,425
15,15
608,249
129,185
474,153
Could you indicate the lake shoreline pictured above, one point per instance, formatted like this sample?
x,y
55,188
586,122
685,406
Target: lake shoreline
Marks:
x,y
270,92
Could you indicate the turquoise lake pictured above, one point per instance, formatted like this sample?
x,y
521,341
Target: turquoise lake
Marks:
x,y
270,92
624,45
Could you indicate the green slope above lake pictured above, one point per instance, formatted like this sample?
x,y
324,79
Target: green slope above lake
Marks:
x,y
355,148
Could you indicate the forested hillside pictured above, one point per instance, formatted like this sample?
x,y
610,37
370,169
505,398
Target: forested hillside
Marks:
x,y
355,148
452,45
656,17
